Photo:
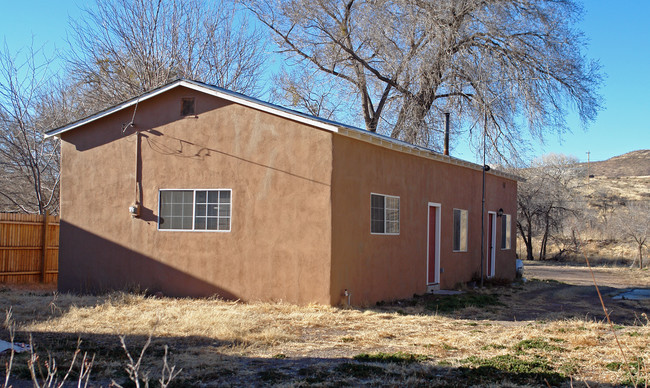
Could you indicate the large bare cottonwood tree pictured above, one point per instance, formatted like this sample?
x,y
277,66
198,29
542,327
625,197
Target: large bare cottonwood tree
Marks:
x,y
122,48
511,66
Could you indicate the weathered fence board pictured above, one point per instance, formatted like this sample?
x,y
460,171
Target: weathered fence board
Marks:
x,y
29,248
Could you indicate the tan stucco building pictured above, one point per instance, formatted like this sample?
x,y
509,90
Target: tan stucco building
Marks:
x,y
192,190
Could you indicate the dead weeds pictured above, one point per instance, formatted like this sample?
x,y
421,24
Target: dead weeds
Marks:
x,y
409,342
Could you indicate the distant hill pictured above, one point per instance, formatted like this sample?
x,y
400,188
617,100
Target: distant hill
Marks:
x,y
625,176
631,164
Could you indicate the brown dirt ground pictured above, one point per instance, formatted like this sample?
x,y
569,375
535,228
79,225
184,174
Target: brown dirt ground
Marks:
x,y
551,292
581,275
569,292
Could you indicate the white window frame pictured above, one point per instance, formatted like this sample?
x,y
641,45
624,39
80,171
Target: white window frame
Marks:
x,y
506,225
194,212
399,226
460,230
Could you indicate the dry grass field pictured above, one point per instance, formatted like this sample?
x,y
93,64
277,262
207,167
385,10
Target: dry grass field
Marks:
x,y
633,188
526,334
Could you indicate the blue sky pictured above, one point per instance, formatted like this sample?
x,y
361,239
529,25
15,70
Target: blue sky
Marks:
x,y
619,37
618,33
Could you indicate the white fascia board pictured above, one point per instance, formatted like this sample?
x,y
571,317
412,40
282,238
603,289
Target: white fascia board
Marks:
x,y
204,89
109,111
259,106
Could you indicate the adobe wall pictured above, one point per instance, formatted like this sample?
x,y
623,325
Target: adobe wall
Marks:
x,y
388,267
279,172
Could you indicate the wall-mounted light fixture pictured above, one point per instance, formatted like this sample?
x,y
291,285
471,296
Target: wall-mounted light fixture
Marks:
x,y
500,212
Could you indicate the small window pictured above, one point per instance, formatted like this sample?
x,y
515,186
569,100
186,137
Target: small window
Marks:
x,y
187,106
195,210
460,230
505,231
384,214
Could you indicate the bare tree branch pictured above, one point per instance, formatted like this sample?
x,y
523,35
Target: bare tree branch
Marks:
x,y
28,163
509,59
123,48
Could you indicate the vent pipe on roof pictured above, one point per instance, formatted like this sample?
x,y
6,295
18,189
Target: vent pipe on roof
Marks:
x,y
446,150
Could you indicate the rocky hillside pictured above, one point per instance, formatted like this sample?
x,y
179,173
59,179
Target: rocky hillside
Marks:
x,y
625,176
631,164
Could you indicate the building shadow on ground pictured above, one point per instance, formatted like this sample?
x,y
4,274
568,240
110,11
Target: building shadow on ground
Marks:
x,y
202,364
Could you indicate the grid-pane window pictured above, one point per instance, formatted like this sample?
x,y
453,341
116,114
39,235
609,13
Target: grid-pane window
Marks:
x,y
377,216
212,210
384,214
392,215
460,230
195,210
176,209
505,231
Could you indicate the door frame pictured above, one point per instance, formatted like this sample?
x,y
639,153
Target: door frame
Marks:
x,y
491,253
436,279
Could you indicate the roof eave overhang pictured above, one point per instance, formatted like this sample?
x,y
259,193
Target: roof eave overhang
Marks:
x,y
204,89
401,146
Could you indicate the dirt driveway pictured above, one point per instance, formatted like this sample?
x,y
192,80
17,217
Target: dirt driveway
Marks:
x,y
564,292
581,276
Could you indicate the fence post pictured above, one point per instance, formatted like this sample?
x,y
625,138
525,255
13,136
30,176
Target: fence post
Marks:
x,y
44,253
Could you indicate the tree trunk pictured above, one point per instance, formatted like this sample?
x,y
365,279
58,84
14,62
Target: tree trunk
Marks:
x,y
542,244
411,122
527,241
640,256
574,241
542,248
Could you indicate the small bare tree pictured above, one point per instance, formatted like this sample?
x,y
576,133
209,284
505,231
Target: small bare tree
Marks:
x,y
632,223
603,203
29,164
122,48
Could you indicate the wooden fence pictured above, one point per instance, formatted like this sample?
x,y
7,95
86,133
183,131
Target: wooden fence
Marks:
x,y
29,248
